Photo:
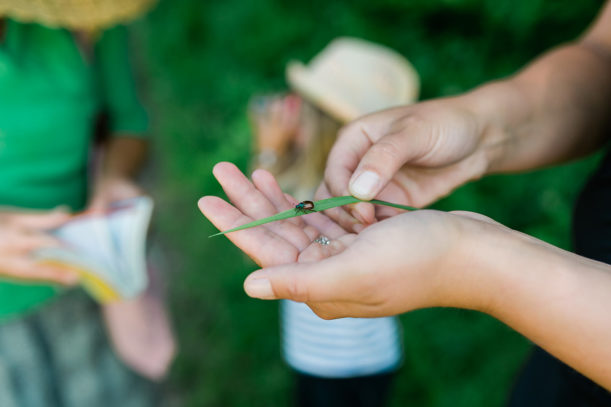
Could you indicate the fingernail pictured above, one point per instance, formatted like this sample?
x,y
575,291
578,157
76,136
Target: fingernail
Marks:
x,y
260,288
363,186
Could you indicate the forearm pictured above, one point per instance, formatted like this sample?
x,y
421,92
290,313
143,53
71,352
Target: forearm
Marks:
x,y
556,109
557,299
123,157
121,161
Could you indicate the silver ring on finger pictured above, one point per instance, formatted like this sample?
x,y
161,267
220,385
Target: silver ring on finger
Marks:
x,y
323,240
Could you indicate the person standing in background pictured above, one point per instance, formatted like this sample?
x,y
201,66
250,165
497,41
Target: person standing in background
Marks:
x,y
62,64
348,362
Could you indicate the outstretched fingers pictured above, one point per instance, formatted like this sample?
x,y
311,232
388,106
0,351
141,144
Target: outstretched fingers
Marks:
x,y
241,192
291,229
259,199
261,244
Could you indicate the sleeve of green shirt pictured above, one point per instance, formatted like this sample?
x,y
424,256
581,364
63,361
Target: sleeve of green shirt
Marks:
x,y
117,89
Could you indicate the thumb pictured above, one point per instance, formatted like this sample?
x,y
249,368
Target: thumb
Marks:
x,y
301,282
385,157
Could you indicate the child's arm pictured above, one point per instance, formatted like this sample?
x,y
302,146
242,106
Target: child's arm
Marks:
x,y
122,160
139,328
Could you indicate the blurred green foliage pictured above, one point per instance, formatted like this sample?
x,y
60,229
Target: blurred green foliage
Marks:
x,y
204,59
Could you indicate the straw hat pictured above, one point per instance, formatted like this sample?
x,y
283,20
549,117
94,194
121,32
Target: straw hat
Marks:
x,y
74,14
352,77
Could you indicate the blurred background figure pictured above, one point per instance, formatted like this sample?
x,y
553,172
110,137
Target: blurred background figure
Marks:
x,y
64,64
349,78
347,362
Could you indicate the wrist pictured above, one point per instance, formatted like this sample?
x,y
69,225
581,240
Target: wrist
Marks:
x,y
483,262
109,189
513,269
123,158
106,183
109,177
499,108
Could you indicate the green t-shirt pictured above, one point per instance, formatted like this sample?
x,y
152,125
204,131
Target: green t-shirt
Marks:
x,y
50,98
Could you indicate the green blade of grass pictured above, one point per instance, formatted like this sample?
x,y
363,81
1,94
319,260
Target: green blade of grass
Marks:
x,y
321,205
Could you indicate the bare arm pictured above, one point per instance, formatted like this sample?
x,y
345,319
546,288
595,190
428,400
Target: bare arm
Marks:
x,y
139,328
122,159
556,109
422,259
124,156
555,298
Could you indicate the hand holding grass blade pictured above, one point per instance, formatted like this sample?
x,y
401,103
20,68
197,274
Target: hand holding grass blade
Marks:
x,y
318,206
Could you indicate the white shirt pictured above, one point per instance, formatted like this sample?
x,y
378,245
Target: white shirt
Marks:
x,y
341,348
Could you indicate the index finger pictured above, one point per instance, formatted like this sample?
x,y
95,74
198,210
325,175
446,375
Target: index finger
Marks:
x,y
241,192
262,245
353,142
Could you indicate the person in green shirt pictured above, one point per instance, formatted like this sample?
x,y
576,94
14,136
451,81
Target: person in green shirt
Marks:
x,y
54,84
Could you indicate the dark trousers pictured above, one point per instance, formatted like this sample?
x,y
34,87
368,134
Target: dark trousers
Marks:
x,y
364,391
545,381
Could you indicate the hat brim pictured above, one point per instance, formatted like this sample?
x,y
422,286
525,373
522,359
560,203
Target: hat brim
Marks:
x,y
311,87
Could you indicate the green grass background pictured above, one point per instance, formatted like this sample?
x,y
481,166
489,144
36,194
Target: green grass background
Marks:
x,y
202,60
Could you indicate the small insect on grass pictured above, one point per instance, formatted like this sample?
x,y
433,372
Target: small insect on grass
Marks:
x,y
304,207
